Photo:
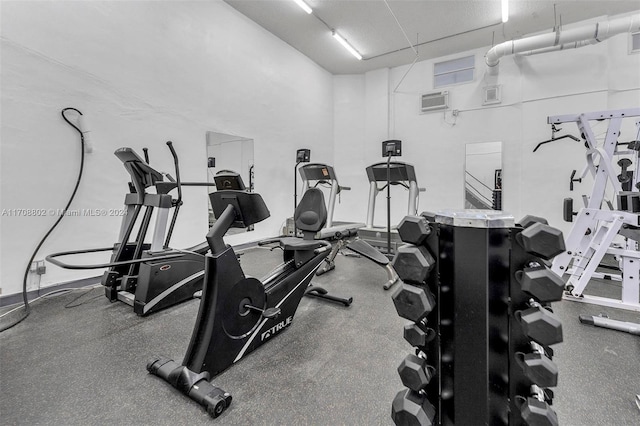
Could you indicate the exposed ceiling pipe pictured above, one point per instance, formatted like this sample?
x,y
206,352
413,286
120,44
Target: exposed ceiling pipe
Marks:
x,y
562,39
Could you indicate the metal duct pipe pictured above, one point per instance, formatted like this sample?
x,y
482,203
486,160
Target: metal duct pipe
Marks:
x,y
562,39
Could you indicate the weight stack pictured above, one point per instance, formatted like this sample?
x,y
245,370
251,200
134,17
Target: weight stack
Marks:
x,y
481,323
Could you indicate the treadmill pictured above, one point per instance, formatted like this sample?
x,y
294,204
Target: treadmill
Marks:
x,y
402,174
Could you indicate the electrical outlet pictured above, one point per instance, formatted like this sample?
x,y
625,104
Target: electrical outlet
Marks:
x,y
38,267
455,112
41,269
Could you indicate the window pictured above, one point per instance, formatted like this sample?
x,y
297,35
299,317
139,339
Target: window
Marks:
x,y
455,71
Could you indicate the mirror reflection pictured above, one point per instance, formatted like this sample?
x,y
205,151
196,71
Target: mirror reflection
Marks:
x,y
229,154
483,176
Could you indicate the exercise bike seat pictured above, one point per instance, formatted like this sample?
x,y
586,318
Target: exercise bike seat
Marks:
x,y
293,243
310,217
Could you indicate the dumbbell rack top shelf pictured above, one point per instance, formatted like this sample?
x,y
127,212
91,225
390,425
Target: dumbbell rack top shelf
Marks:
x,y
595,228
475,218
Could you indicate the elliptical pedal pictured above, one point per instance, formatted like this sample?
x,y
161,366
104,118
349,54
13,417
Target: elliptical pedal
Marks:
x,y
126,297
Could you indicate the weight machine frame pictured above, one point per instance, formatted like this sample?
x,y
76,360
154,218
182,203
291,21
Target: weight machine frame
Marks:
x,y
595,228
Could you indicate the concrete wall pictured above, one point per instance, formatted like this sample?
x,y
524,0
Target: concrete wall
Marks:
x,y
599,77
142,73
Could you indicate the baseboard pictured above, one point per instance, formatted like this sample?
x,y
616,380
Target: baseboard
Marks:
x,y
14,299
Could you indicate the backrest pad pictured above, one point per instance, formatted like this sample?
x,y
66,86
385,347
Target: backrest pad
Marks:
x,y
311,213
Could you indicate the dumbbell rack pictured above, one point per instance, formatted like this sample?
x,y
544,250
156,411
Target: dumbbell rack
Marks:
x,y
482,343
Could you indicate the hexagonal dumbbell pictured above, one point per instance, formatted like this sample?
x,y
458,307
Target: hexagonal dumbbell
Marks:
x,y
538,368
538,413
540,325
542,240
529,220
418,335
540,282
411,408
413,302
430,216
415,373
414,229
413,263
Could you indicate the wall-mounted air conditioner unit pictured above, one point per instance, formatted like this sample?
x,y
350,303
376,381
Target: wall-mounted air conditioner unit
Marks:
x,y
435,101
491,95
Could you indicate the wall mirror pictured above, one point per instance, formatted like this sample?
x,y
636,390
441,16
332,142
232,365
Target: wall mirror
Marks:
x,y
232,153
483,176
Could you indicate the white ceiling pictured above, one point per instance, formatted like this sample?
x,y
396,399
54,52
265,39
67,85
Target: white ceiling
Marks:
x,y
437,28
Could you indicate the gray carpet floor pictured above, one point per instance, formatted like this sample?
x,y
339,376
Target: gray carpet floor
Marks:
x,y
85,365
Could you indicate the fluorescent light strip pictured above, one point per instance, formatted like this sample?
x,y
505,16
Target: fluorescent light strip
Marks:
x,y
505,10
304,6
347,46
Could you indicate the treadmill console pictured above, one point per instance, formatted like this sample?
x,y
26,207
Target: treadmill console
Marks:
x,y
303,156
398,172
392,148
316,172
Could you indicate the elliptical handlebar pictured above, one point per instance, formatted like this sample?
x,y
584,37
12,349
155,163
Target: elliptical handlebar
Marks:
x,y
179,199
177,168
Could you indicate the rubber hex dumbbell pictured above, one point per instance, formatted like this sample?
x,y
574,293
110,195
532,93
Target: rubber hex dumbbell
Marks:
x,y
430,216
413,263
414,229
542,240
411,408
413,302
538,413
540,282
535,410
540,325
529,220
415,373
418,335
538,367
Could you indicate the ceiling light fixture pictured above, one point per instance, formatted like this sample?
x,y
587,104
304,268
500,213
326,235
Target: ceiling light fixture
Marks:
x,y
346,45
304,6
505,10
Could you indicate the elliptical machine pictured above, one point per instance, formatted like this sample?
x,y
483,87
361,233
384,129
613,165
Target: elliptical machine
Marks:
x,y
148,276
238,314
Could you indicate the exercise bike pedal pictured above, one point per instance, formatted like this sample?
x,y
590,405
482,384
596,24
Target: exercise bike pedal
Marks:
x,y
266,313
271,312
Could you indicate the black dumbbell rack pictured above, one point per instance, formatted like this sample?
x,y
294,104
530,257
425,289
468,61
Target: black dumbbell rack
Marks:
x,y
483,366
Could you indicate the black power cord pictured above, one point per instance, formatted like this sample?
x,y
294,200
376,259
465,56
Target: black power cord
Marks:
x,y
27,308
